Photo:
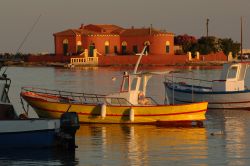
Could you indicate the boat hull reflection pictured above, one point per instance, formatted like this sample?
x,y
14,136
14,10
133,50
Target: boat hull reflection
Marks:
x,y
141,144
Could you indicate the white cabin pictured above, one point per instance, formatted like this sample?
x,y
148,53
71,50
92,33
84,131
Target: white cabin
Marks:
x,y
232,78
133,88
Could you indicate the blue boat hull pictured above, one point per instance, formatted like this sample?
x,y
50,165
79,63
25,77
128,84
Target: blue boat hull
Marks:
x,y
216,100
29,139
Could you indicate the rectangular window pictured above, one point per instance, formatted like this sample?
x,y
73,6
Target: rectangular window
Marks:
x,y
124,50
125,84
79,49
232,73
147,49
106,49
134,84
115,50
65,49
135,49
167,49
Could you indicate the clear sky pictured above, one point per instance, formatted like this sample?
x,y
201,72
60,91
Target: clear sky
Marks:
x,y
177,16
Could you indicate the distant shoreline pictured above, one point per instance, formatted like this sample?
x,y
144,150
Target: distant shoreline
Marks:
x,y
63,65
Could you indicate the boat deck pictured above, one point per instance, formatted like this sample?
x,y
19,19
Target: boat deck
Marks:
x,y
78,98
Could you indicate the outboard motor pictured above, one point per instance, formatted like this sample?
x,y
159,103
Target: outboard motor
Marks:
x,y
69,124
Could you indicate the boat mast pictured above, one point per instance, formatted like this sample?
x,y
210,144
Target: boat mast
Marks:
x,y
139,59
241,38
25,38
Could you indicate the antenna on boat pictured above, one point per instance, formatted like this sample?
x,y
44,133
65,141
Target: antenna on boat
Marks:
x,y
139,59
25,38
31,29
241,38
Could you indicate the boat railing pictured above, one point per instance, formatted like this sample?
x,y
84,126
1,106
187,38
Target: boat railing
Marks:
x,y
188,83
75,97
5,90
180,80
151,101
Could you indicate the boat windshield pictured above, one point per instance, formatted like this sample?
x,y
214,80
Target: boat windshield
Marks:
x,y
134,83
125,84
232,72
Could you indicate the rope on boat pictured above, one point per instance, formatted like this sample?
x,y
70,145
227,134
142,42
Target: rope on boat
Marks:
x,y
69,108
25,110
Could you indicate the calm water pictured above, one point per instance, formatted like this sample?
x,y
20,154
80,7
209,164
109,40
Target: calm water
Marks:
x,y
133,144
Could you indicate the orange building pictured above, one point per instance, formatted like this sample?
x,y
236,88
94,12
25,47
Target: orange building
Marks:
x,y
113,40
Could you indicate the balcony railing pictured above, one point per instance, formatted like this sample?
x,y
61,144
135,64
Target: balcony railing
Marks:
x,y
84,61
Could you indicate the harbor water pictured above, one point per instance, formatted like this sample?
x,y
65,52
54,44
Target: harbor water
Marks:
x,y
224,139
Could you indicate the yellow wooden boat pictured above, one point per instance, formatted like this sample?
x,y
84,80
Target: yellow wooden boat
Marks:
x,y
127,106
130,105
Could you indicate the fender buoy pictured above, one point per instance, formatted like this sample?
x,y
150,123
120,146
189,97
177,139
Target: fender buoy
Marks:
x,y
103,111
131,115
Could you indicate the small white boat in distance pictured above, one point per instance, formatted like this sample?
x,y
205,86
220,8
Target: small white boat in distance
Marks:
x,y
229,92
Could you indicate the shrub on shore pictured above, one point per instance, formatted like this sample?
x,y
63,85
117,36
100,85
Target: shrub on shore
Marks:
x,y
206,45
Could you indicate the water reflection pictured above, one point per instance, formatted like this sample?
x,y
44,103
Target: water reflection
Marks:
x,y
231,138
135,144
237,136
141,145
29,157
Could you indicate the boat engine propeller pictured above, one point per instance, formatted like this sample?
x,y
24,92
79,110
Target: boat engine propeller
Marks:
x,y
69,124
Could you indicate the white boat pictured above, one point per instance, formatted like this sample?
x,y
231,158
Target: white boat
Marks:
x,y
23,132
229,92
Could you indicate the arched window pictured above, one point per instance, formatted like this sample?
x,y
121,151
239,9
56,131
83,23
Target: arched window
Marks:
x,y
167,46
124,48
106,47
147,43
65,46
135,49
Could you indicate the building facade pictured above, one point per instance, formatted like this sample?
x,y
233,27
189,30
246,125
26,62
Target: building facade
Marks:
x,y
113,40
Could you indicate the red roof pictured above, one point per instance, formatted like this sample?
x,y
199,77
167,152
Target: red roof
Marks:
x,y
101,28
108,27
141,32
94,29
69,32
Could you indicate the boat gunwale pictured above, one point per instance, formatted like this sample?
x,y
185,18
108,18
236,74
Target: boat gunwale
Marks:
x,y
129,106
136,115
28,131
203,92
214,103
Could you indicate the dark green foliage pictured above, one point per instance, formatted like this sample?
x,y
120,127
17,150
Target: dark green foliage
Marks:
x,y
227,45
185,41
206,45
194,48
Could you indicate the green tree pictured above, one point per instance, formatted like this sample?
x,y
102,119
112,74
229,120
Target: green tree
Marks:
x,y
208,45
228,45
185,41
18,55
194,48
